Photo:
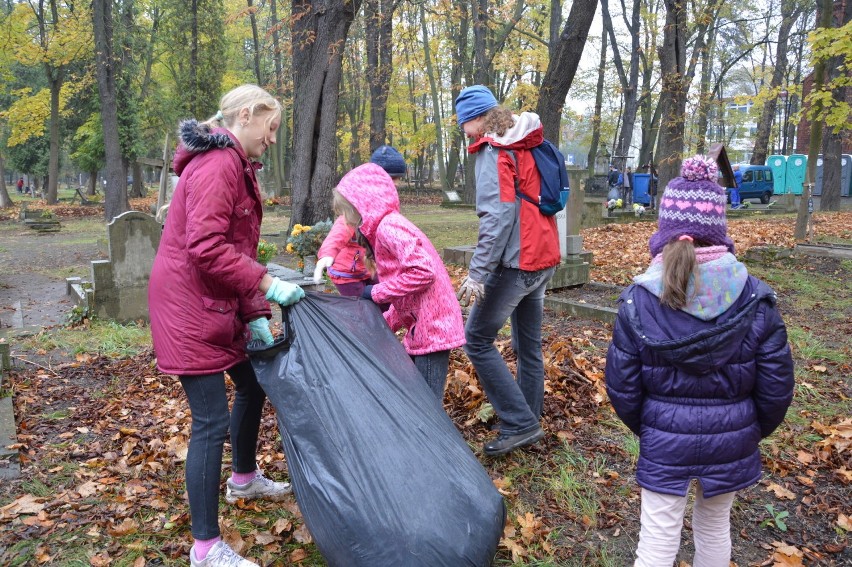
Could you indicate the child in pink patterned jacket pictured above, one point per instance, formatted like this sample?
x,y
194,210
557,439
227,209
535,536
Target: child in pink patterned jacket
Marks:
x,y
411,275
340,253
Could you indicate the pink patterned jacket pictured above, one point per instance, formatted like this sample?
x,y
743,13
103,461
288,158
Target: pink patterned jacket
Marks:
x,y
412,276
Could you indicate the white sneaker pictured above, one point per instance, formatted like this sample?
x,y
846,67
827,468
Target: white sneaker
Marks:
x,y
220,555
259,487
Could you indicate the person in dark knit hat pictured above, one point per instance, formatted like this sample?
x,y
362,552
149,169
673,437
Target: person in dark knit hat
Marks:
x,y
699,368
340,254
389,159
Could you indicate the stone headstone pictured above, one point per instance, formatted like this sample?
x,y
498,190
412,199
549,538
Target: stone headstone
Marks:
x,y
121,283
452,196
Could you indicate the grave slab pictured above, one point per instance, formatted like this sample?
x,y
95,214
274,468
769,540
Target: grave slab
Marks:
x,y
10,467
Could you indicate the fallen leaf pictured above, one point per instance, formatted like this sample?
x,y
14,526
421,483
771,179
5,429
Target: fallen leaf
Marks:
x,y
780,491
844,523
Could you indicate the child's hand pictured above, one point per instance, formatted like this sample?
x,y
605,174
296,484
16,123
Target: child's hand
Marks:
x,y
322,264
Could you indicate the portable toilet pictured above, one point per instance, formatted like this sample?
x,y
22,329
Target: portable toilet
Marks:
x,y
797,165
818,177
641,182
846,175
778,165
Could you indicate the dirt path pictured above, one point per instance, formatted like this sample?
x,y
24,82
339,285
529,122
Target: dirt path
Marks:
x,y
34,268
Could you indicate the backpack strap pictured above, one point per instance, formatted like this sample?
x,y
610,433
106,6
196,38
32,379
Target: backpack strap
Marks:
x,y
518,191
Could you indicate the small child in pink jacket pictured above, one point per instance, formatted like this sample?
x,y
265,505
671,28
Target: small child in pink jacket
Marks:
x,y
411,275
340,253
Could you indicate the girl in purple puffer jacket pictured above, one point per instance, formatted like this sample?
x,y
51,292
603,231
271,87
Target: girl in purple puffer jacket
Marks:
x,y
411,275
699,368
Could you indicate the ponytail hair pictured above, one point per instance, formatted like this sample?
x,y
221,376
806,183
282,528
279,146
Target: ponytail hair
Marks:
x,y
252,97
678,265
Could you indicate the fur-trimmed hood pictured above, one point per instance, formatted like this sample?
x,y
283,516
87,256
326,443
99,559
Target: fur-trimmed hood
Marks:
x,y
196,138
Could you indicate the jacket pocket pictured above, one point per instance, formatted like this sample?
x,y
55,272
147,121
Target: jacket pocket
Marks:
x,y
219,325
243,216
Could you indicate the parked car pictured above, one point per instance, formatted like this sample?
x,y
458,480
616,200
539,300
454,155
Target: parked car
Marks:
x,y
757,183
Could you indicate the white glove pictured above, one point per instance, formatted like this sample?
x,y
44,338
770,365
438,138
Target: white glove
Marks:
x,y
470,290
322,264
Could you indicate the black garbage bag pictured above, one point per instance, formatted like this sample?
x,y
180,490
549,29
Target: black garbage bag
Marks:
x,y
381,474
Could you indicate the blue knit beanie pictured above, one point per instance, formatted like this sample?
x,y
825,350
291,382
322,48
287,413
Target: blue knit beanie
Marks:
x,y
474,101
390,160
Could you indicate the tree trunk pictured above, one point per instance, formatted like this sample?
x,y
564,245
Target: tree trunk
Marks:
x,y
378,20
673,97
115,192
801,229
5,200
457,66
705,98
629,80
318,37
281,150
563,65
832,145
596,117
789,13
255,41
436,105
93,183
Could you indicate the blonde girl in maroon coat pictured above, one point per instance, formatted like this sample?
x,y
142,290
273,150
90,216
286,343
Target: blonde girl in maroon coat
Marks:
x,y
206,290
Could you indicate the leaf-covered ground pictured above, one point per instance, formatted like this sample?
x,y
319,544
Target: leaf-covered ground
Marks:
x,y
102,444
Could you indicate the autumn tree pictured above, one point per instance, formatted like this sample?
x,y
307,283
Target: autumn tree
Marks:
x,y
318,34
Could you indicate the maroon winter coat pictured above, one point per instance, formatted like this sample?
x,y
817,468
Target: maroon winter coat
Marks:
x,y
205,278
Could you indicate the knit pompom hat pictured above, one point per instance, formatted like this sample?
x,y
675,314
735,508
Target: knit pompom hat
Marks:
x,y
693,205
389,159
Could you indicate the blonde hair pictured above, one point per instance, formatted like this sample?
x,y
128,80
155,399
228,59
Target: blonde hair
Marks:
x,y
343,207
498,120
252,97
678,265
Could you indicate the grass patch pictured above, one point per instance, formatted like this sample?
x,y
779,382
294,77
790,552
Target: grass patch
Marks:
x,y
106,338
571,485
810,347
445,227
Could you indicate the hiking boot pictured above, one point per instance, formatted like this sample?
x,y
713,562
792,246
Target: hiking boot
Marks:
x,y
220,555
508,443
260,487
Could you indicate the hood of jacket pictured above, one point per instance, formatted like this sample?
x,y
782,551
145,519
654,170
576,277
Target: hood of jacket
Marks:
x,y
525,134
196,138
713,288
682,340
372,192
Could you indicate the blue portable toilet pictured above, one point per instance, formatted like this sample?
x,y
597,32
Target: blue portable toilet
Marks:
x,y
846,175
641,185
797,165
778,165
818,176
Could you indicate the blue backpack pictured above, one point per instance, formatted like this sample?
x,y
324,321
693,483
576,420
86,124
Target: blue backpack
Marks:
x,y
554,179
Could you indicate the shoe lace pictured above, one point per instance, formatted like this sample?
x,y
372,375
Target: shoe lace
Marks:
x,y
228,557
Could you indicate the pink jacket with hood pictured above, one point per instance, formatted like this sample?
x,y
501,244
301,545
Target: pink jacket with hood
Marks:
x,y
412,276
204,282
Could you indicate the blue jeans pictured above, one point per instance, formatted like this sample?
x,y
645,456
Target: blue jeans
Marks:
x,y
518,296
434,367
208,403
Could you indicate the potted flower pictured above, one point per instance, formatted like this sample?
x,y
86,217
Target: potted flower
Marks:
x,y
266,251
305,241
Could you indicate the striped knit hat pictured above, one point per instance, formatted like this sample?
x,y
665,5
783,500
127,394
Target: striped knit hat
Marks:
x,y
693,205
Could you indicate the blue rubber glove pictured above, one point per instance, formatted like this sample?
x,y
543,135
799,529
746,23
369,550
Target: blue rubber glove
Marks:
x,y
367,292
284,293
260,330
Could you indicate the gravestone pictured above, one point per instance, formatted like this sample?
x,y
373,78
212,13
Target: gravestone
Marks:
x,y
120,284
575,262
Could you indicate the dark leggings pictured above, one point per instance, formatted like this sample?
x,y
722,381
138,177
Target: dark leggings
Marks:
x,y
208,403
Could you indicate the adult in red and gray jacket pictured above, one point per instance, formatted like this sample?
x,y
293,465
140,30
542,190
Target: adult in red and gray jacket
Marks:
x,y
205,288
516,254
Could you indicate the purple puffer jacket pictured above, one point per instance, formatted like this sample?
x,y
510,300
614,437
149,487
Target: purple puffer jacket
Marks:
x,y
700,394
